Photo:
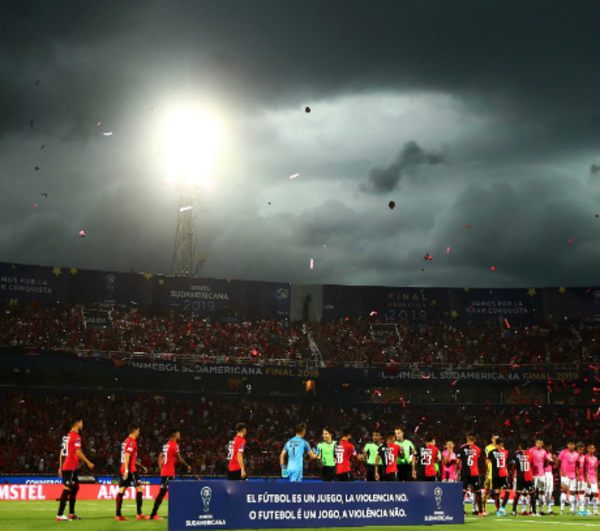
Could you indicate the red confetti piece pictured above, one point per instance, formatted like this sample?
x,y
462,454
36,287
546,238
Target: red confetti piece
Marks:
x,y
33,206
448,250
82,234
507,422
403,403
469,227
517,389
596,215
430,257
416,429
425,377
422,270
588,290
507,324
549,388
493,268
373,313
570,240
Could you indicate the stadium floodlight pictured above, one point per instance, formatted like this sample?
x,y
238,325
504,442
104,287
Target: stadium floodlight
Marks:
x,y
190,145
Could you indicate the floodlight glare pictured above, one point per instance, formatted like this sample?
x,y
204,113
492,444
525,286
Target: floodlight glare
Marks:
x,y
191,141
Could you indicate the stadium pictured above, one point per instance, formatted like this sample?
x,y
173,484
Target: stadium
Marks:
x,y
299,265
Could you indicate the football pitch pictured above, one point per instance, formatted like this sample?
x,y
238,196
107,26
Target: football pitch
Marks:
x,y
97,515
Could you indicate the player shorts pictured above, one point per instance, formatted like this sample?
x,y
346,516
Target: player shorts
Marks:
x,y
549,486
344,476
392,476
133,480
470,481
592,489
500,483
234,475
524,486
539,483
571,484
164,482
328,474
370,472
295,475
448,481
405,473
70,478
426,478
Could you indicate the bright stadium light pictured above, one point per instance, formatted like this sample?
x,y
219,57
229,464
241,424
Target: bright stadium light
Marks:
x,y
191,141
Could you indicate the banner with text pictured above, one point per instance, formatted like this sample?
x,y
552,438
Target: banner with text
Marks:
x,y
22,284
415,305
202,296
562,304
96,320
208,505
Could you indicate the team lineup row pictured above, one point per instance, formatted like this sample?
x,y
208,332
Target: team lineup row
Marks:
x,y
388,458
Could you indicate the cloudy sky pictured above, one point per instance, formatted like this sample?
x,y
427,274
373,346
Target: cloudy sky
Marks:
x,y
482,113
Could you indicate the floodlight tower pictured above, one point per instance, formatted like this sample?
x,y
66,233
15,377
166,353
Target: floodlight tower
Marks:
x,y
190,145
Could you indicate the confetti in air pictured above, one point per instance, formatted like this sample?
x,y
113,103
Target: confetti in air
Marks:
x,y
183,209
37,168
307,109
570,240
392,205
469,227
294,176
493,268
107,134
312,263
33,206
98,124
82,234
448,250
43,146
37,82
507,324
30,123
44,194
373,313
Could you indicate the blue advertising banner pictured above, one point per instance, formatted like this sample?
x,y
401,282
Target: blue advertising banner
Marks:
x,y
243,505
267,300
519,306
21,284
203,297
108,289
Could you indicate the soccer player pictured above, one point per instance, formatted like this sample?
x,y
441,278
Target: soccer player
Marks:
x,y
236,471
294,450
405,461
424,461
449,463
130,477
468,457
487,484
344,451
522,463
387,454
326,454
568,478
591,477
539,476
581,482
549,476
370,454
69,457
167,460
497,459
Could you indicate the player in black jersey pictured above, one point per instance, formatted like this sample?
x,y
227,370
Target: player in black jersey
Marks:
x,y
498,459
387,455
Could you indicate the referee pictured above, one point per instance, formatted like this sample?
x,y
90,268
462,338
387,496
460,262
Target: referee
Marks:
x,y
370,453
326,454
404,462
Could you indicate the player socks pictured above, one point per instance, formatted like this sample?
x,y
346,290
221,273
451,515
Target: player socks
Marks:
x,y
506,498
157,502
73,499
479,501
563,501
119,502
473,501
138,501
63,501
573,503
533,500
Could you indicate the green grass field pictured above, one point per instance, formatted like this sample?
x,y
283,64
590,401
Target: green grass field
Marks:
x,y
97,515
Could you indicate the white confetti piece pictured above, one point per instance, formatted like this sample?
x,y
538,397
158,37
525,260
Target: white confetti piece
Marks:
x,y
294,176
107,134
312,263
182,209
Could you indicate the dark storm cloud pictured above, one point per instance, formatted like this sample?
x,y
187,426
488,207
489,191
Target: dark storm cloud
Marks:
x,y
532,64
410,159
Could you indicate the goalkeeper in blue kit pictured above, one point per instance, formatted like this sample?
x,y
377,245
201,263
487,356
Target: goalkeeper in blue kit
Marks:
x,y
294,451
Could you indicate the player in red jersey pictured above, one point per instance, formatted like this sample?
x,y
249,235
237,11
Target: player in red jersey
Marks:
x,y
167,460
70,454
424,461
344,452
235,454
497,458
523,473
130,477
468,457
388,454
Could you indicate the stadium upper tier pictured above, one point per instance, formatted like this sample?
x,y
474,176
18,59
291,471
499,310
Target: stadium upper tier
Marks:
x,y
361,342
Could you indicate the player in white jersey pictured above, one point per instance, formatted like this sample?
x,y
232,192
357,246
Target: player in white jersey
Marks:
x,y
549,478
591,478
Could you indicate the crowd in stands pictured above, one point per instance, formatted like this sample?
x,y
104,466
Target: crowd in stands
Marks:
x,y
32,426
344,342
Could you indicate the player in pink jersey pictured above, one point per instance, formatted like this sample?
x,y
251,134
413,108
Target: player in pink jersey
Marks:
x,y
568,477
549,478
581,483
539,460
449,463
591,477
